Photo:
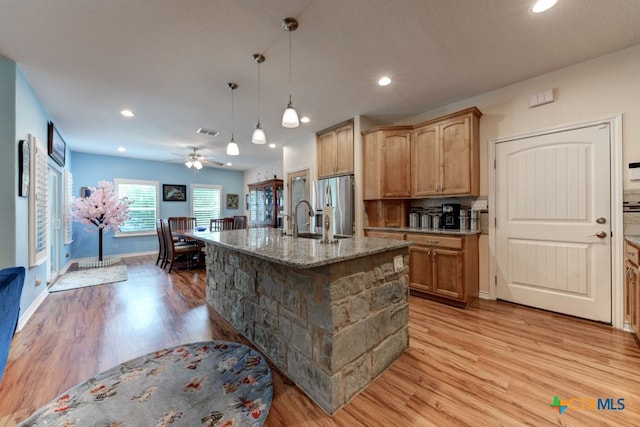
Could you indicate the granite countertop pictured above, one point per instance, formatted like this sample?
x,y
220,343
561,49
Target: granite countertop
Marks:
x,y
633,239
271,245
425,230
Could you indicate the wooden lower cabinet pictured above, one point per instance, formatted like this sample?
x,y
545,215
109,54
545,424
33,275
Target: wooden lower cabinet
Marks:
x,y
632,288
384,234
444,268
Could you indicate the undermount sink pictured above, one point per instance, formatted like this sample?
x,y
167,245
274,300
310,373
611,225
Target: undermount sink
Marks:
x,y
318,236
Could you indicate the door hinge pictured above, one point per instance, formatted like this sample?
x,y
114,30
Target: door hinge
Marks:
x,y
495,221
495,280
494,163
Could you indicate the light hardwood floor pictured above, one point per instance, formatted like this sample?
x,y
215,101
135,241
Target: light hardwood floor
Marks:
x,y
493,364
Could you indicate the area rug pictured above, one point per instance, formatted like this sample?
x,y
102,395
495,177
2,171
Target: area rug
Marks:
x,y
89,277
215,383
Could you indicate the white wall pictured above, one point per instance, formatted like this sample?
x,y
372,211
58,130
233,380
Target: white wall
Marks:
x,y
591,90
298,156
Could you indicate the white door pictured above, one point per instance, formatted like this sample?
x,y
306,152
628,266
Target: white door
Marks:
x,y
553,231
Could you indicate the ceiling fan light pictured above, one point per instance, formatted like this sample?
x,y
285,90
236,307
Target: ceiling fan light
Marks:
x,y
197,164
290,117
188,163
258,136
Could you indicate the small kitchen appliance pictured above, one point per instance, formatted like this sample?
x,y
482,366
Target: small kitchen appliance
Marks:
x,y
451,215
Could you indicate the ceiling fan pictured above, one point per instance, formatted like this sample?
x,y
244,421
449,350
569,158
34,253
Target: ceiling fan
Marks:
x,y
197,161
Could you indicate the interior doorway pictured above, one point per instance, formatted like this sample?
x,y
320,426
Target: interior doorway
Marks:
x,y
556,224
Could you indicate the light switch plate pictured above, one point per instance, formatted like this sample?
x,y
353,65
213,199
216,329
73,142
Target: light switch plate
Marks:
x,y
397,263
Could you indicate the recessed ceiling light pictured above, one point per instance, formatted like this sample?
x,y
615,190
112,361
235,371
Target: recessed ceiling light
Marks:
x,y
543,5
128,113
122,149
384,81
229,164
305,119
272,145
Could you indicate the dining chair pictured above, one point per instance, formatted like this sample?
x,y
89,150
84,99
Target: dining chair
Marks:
x,y
221,224
239,221
182,222
184,253
162,247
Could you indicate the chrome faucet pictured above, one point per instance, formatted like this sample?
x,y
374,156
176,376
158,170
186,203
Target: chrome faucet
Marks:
x,y
295,215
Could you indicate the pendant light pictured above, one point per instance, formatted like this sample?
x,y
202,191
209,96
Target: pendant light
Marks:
x,y
258,136
290,116
232,147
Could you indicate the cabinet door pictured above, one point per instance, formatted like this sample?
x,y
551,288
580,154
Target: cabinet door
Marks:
x,y
371,176
326,154
425,161
344,150
396,168
448,270
421,269
455,155
628,293
634,300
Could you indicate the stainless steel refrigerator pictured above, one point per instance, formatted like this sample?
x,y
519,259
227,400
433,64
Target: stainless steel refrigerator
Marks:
x,y
336,192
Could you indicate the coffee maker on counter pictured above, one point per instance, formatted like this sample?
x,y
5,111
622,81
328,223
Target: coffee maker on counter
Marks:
x,y
450,216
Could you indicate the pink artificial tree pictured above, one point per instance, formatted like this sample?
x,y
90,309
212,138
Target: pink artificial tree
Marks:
x,y
102,209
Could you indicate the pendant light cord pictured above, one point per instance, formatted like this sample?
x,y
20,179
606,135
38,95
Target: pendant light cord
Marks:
x,y
258,92
290,85
232,121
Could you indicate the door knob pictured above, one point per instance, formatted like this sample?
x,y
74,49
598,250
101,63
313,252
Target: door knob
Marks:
x,y
601,234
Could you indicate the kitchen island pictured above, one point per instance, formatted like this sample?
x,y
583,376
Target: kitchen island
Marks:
x,y
331,317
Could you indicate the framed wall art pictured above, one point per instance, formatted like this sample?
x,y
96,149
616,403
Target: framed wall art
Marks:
x,y
174,193
23,168
232,201
57,146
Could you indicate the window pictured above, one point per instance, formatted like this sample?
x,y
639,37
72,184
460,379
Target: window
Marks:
x,y
205,203
38,191
144,197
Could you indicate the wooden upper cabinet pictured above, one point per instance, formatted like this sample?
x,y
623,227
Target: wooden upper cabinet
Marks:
x,y
385,162
396,167
446,155
425,161
371,156
335,150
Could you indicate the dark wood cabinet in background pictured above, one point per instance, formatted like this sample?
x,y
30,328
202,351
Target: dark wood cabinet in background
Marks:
x,y
265,203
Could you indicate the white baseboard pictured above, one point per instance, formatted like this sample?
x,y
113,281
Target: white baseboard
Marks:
x,y
26,315
484,295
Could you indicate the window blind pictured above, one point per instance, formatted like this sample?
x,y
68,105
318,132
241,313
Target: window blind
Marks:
x,y
143,210
68,197
38,193
205,203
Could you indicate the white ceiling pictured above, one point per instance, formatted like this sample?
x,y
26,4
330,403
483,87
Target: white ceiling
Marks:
x,y
170,62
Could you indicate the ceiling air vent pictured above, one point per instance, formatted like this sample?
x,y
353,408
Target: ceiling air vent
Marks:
x,y
206,131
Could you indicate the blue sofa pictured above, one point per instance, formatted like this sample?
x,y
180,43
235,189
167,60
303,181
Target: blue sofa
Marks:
x,y
11,283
